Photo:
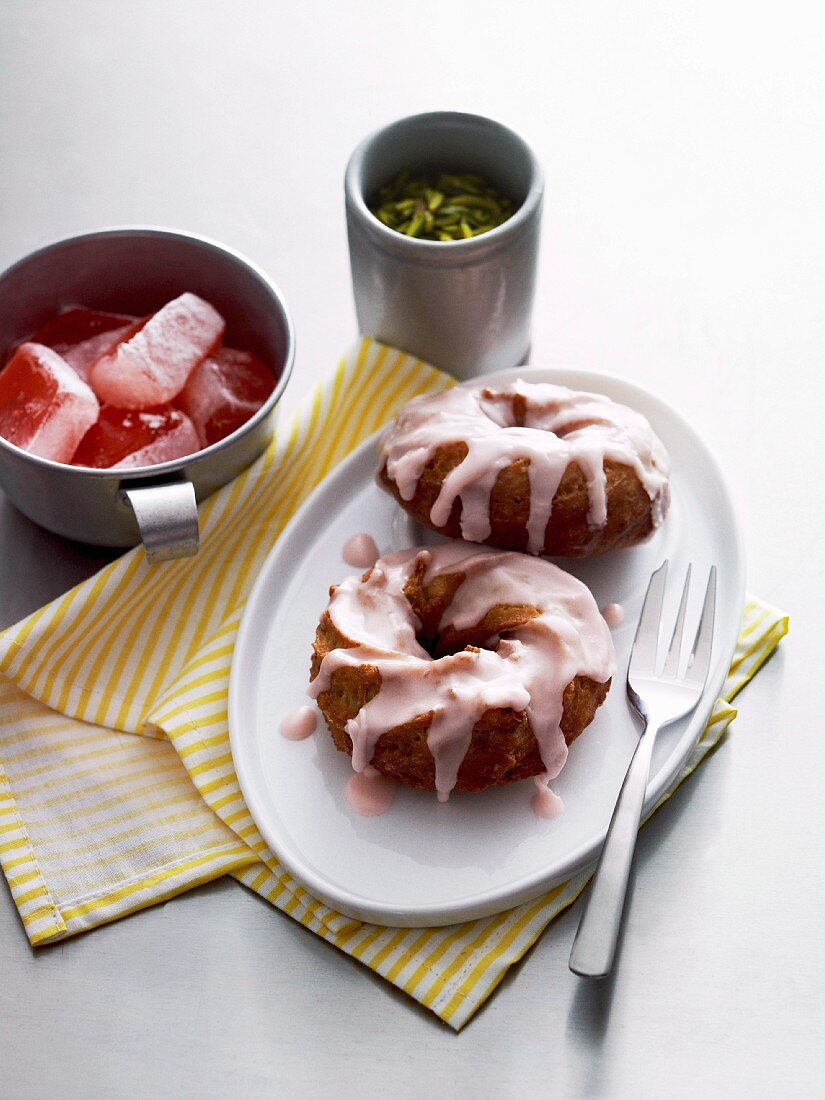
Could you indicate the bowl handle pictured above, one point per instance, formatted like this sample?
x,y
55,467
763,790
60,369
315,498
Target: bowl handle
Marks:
x,y
167,518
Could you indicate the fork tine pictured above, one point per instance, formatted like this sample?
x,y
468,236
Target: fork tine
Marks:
x,y
672,663
700,657
646,642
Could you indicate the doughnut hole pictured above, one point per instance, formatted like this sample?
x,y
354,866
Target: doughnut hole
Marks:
x,y
430,601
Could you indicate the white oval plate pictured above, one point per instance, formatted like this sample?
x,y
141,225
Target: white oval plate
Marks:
x,y
425,863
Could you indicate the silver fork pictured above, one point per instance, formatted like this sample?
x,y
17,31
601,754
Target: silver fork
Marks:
x,y
659,698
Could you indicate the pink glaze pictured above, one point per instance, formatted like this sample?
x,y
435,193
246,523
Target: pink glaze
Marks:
x,y
298,724
361,552
545,803
369,793
550,426
613,614
525,669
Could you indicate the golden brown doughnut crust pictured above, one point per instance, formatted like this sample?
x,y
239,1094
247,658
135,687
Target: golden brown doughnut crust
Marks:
x,y
629,508
503,748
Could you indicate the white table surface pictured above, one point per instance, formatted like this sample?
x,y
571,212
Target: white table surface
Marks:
x,y
684,247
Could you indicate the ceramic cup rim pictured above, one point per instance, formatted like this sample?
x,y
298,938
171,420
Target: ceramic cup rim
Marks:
x,y
448,253
176,465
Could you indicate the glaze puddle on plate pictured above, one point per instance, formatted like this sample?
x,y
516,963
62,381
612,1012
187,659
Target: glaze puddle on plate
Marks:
x,y
299,723
361,551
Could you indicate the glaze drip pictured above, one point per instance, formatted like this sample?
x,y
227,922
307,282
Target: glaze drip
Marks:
x,y
550,426
545,803
525,669
361,551
298,724
613,614
369,793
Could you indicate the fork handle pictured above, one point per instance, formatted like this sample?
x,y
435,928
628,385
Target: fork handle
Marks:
x,y
595,942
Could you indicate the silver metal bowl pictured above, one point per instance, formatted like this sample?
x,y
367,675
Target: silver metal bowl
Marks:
x,y
136,270
466,305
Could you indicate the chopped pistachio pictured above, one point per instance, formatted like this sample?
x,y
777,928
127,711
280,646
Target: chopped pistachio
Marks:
x,y
459,206
416,224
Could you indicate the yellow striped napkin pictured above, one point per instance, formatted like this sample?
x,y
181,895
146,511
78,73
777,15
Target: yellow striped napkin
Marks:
x,y
96,822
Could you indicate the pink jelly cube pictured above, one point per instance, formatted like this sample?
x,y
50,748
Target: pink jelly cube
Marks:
x,y
74,324
151,366
224,391
129,438
83,335
44,407
83,356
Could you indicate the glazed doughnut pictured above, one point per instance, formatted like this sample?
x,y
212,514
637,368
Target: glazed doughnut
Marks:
x,y
529,466
460,667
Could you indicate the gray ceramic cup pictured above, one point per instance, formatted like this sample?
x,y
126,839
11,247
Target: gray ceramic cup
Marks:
x,y
466,305
137,270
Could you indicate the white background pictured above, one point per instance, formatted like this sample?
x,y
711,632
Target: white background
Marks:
x,y
684,247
